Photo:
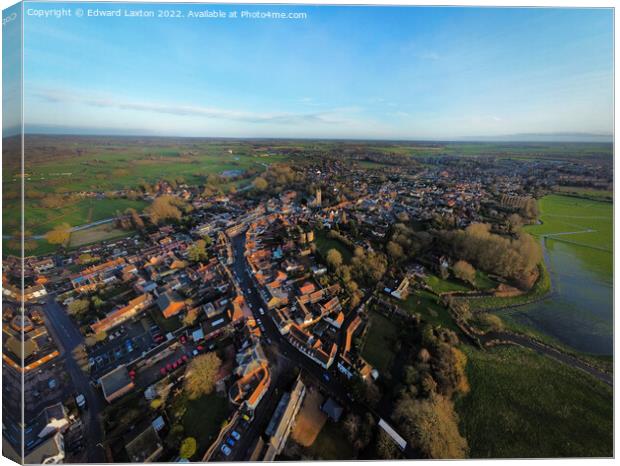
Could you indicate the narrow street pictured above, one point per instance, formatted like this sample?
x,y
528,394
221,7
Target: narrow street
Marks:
x,y
68,337
328,380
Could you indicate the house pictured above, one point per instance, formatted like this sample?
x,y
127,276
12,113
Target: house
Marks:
x,y
170,304
146,447
114,318
116,383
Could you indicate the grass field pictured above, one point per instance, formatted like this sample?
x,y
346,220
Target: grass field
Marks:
x,y
379,339
523,405
324,244
425,304
583,223
440,285
96,234
590,223
588,193
40,220
203,420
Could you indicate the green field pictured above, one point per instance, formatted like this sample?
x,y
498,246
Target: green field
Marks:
x,y
40,220
379,340
96,234
580,222
77,164
440,285
426,304
451,284
203,420
577,221
588,193
324,244
523,405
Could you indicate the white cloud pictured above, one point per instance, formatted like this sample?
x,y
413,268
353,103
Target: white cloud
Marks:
x,y
60,96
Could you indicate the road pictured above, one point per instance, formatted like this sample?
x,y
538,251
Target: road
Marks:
x,y
68,337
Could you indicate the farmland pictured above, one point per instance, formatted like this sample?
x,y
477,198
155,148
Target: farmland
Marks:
x,y
87,171
523,405
584,223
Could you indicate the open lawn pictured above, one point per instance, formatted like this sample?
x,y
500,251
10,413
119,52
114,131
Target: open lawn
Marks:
x,y
96,234
440,285
523,405
578,221
324,244
203,419
426,304
379,341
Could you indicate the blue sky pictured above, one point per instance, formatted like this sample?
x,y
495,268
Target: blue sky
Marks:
x,y
343,72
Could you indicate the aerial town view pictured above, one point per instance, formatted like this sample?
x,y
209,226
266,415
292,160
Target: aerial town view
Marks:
x,y
341,233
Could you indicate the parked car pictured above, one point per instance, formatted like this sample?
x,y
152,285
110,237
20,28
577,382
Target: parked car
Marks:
x,y
80,401
234,434
230,442
227,451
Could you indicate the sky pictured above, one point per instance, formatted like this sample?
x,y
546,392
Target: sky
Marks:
x,y
340,72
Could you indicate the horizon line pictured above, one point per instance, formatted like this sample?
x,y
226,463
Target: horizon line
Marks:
x,y
515,138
